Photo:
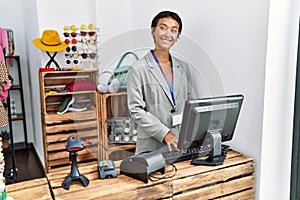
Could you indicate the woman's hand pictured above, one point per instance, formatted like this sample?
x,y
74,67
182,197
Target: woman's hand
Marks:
x,y
170,140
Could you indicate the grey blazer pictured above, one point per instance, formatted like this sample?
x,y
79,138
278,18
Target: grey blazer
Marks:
x,y
150,102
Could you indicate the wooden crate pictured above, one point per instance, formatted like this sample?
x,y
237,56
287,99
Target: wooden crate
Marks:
x,y
232,180
57,128
33,189
113,105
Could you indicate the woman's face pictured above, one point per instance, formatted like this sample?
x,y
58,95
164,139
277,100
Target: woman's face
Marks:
x,y
165,34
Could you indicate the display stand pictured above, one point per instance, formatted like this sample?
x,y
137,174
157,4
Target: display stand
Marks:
x,y
56,128
216,155
114,105
52,60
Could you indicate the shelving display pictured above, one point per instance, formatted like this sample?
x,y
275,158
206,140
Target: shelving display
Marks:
x,y
118,131
83,123
16,115
16,100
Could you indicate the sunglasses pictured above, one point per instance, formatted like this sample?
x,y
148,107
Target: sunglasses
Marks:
x,y
90,33
90,55
73,41
72,28
75,61
73,48
73,34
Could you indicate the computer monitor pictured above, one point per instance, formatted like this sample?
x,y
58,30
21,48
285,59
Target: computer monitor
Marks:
x,y
208,122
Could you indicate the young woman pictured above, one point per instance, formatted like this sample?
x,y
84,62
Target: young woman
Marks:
x,y
158,86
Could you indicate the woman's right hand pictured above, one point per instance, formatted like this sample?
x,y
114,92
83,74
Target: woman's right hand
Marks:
x,y
171,140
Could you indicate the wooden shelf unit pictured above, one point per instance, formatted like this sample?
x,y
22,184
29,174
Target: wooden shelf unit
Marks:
x,y
58,127
113,105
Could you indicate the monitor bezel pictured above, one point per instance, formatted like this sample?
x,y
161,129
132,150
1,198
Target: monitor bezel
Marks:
x,y
187,124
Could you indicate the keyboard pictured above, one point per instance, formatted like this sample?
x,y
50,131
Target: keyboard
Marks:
x,y
177,156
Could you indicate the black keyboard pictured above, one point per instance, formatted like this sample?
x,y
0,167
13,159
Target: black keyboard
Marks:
x,y
182,155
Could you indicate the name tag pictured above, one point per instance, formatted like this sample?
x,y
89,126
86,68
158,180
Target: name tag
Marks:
x,y
176,119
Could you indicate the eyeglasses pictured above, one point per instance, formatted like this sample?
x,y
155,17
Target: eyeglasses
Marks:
x,y
75,61
73,48
91,42
73,34
85,41
90,55
73,55
73,41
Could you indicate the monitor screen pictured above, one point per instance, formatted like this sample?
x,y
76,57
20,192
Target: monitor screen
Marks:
x,y
209,115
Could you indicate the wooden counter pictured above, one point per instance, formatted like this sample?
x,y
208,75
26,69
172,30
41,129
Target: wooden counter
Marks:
x,y
29,190
232,180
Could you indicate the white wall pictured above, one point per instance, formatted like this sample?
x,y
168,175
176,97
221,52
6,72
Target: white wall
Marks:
x,y
232,38
33,64
11,16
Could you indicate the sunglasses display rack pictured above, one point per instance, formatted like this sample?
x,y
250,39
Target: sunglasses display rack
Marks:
x,y
82,50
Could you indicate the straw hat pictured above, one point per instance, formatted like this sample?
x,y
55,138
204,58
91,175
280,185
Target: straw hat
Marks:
x,y
50,41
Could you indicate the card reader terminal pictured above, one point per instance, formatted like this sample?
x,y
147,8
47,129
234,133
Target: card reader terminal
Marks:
x,y
107,169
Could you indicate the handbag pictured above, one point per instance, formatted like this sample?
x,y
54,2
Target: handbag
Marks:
x,y
120,71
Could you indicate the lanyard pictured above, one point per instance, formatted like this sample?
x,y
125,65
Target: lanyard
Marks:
x,y
170,88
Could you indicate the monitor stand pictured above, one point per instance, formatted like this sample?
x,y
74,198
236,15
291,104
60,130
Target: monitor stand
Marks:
x,y
216,154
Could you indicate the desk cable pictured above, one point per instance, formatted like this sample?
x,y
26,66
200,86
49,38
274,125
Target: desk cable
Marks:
x,y
168,174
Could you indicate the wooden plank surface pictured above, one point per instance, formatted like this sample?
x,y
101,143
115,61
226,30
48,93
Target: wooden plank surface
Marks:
x,y
128,190
69,116
243,195
232,180
64,160
54,78
218,190
62,137
29,190
65,154
221,175
71,126
122,187
88,143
